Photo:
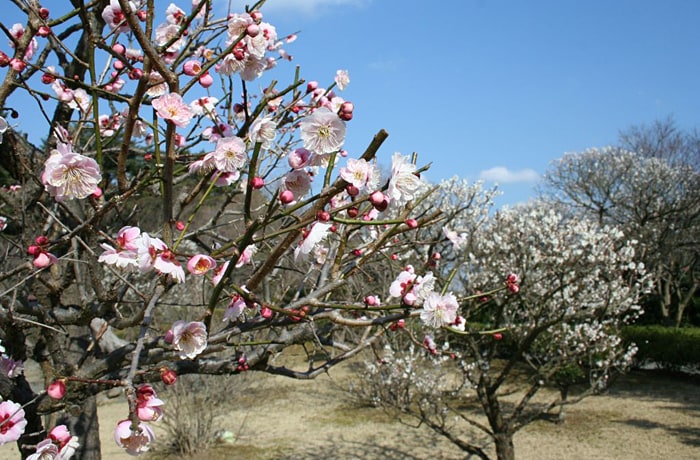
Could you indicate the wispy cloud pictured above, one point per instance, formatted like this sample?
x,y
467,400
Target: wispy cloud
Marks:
x,y
310,7
504,175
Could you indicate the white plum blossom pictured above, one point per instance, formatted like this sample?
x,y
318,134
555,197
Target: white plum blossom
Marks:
x,y
134,442
361,173
189,339
439,310
114,17
342,79
323,131
263,130
318,232
404,183
229,154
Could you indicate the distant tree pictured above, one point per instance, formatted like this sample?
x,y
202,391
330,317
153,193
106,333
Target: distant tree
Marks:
x,y
653,195
554,323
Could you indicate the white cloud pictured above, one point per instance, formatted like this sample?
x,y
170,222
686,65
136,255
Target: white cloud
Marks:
x,y
311,7
503,175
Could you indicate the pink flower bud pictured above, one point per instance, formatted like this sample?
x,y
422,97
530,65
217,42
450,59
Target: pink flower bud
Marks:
x,y
379,201
257,16
257,182
345,116
206,80
43,31
252,30
394,257
497,336
33,250
412,223
119,48
44,13
514,288
352,190
410,298
4,59
323,216
311,86
44,259
437,256
17,65
118,65
286,197
41,240
512,278
142,15
371,300
56,389
347,106
180,225
266,312
97,193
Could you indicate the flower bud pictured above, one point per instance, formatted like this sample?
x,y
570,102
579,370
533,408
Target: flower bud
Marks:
x,y
168,376
56,389
257,182
119,48
352,190
323,216
253,30
497,336
206,80
43,31
44,13
411,223
41,240
286,197
17,65
4,59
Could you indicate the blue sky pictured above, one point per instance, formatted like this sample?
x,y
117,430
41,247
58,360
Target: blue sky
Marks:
x,y
498,89
494,89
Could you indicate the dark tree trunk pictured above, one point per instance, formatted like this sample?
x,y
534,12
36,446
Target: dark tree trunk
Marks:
x,y
86,426
564,393
504,446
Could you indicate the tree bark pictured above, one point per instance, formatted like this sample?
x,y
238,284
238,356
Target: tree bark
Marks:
x,y
86,426
504,446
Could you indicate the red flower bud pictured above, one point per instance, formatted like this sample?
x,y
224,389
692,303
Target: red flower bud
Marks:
x,y
168,376
286,197
41,240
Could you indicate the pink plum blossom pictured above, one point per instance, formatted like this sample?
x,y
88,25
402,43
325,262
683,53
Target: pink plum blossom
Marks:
x,y
147,404
153,253
134,442
114,16
45,450
439,310
205,105
234,309
199,264
12,421
189,339
247,255
219,273
317,233
68,175
323,132
229,154
298,158
171,107
361,174
298,182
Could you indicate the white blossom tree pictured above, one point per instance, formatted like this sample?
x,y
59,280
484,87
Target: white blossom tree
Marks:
x,y
572,286
653,197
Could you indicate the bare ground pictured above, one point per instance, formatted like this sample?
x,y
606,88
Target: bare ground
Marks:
x,y
645,415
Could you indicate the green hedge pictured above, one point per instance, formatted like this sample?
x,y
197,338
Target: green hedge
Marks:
x,y
666,346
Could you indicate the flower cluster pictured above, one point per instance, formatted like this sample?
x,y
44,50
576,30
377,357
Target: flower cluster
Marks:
x,y
58,445
135,249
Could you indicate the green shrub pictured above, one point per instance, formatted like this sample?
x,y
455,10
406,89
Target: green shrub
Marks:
x,y
666,346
